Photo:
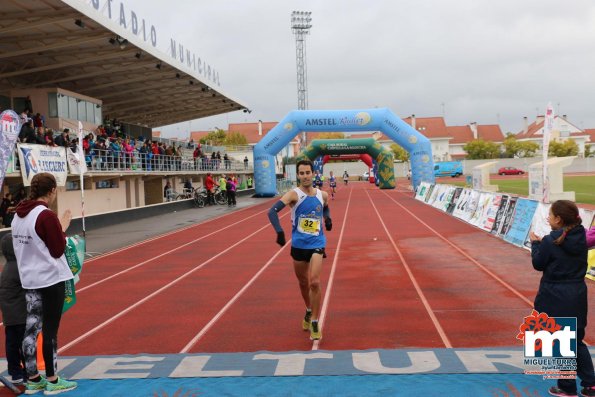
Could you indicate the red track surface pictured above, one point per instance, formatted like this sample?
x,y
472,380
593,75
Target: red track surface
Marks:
x,y
399,274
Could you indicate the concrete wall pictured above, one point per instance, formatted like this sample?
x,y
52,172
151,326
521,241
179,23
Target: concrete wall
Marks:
x,y
578,165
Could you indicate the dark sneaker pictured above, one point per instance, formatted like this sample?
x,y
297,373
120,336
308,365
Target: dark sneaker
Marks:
x,y
556,391
315,333
17,380
588,391
306,321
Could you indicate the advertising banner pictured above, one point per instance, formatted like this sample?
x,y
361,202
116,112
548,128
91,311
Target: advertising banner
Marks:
x,y
10,126
491,212
521,222
454,200
36,159
507,221
539,223
500,215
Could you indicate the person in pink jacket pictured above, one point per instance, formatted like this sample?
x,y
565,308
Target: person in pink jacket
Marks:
x,y
591,237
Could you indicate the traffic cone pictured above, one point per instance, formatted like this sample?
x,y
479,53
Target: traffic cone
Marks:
x,y
40,362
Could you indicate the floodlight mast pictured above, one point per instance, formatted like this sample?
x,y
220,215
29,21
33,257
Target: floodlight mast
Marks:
x,y
301,22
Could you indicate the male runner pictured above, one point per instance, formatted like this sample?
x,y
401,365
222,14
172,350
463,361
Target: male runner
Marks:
x,y
332,182
308,210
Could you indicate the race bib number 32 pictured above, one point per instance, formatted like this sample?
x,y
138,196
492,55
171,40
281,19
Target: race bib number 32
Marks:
x,y
309,226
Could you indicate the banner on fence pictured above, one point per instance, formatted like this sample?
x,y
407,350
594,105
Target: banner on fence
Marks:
x,y
504,201
521,222
36,159
507,221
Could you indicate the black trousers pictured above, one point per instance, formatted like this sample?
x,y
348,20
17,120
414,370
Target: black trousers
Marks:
x,y
231,198
14,350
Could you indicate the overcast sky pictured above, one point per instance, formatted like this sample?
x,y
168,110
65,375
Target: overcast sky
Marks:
x,y
468,60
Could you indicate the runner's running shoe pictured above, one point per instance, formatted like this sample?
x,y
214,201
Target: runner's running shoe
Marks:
x,y
315,333
306,320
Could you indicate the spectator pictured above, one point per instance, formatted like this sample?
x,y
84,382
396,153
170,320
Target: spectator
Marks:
x,y
62,139
246,162
28,105
21,194
167,191
14,312
188,186
231,192
37,121
44,271
591,237
225,161
27,133
7,209
210,185
249,182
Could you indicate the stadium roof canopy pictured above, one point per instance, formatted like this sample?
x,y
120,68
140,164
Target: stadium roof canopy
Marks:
x,y
84,47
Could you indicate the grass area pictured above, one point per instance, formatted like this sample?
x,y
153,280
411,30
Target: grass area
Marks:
x,y
583,186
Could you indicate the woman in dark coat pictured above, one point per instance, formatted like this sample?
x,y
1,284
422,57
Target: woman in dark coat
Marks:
x,y
562,257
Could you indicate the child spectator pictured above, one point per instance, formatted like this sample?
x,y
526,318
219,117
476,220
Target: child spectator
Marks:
x,y
14,312
562,257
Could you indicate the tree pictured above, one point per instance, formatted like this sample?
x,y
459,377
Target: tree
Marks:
x,y
480,149
590,150
514,148
563,149
235,138
528,149
214,138
331,135
400,153
511,146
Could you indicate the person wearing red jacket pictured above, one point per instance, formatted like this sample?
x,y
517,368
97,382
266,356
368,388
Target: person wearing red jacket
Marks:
x,y
210,185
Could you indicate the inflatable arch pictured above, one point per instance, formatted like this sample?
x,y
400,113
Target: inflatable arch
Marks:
x,y
418,146
366,158
384,157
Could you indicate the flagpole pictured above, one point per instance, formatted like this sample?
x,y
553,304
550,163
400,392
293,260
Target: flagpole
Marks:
x,y
548,126
82,163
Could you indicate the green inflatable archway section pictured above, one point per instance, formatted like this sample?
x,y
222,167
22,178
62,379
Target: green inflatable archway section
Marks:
x,y
384,157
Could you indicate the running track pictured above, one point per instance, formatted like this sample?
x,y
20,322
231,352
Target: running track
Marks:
x,y
399,274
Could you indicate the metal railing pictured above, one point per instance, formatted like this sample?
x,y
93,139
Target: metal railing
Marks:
x,y
108,160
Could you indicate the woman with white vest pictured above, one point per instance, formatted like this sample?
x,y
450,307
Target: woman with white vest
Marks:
x,y
39,242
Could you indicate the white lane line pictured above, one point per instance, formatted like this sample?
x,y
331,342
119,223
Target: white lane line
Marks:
x,y
425,302
466,255
221,312
329,288
164,254
143,300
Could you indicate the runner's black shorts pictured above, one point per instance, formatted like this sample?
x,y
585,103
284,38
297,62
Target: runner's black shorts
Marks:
x,y
305,254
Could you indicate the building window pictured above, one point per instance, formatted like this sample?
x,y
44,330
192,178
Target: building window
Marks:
x,y
72,108
107,184
98,117
53,104
73,185
62,106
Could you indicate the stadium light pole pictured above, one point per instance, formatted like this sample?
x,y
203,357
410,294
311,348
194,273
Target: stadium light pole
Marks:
x,y
301,22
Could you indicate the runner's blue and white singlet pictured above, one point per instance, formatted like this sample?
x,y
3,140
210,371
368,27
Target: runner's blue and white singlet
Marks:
x,y
306,220
332,181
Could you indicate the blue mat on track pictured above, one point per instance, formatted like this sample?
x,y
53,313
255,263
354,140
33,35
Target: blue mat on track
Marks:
x,y
476,385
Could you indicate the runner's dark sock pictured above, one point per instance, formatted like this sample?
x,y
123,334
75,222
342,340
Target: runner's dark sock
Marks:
x,y
36,379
